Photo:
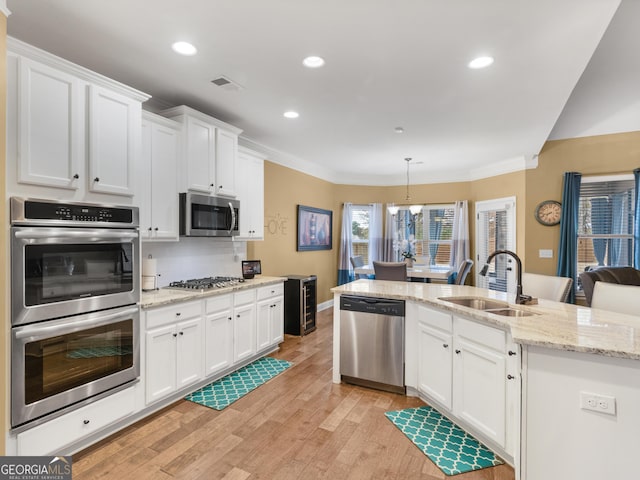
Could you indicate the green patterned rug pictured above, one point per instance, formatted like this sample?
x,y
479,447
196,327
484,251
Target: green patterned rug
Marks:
x,y
223,392
448,446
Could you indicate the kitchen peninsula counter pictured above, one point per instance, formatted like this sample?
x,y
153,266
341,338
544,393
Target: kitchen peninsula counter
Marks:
x,y
555,325
167,296
557,397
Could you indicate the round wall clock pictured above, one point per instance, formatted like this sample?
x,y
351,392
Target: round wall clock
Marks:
x,y
548,212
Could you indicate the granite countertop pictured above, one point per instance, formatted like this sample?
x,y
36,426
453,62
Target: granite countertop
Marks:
x,y
166,296
556,325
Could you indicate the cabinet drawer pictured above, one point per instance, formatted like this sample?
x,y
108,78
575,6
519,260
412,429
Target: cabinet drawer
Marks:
x,y
270,291
482,334
218,303
435,318
173,313
59,432
242,298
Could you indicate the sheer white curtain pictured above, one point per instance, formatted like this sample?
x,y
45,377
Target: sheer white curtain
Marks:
x,y
390,234
460,249
345,271
376,240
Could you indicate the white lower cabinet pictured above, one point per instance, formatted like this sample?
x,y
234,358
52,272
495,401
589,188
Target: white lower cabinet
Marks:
x,y
50,437
435,347
244,325
466,367
218,353
173,349
270,316
480,378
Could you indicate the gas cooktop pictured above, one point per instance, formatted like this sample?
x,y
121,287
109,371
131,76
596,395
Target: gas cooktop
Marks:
x,y
206,283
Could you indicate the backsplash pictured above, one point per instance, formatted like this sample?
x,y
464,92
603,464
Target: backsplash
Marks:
x,y
194,257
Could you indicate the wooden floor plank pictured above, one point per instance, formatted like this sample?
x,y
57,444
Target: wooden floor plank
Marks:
x,y
299,425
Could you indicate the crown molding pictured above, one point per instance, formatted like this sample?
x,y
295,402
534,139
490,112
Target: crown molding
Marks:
x,y
4,9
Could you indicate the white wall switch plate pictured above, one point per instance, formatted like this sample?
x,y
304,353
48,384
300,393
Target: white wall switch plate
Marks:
x,y
598,403
545,253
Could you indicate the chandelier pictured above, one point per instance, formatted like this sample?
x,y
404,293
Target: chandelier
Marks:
x,y
414,209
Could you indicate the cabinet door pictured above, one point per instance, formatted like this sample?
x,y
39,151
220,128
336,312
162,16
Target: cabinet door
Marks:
x,y
479,388
263,323
165,144
51,126
218,342
114,141
190,362
277,321
244,332
160,362
226,150
143,174
200,153
250,191
435,363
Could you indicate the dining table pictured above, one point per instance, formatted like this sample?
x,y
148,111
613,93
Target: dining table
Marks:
x,y
426,273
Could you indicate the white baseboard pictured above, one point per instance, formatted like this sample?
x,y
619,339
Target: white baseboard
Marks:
x,y
324,305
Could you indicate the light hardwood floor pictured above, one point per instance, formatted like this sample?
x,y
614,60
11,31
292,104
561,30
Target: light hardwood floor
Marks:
x,y
297,425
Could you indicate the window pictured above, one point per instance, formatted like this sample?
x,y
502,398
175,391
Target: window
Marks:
x,y
360,223
605,222
427,235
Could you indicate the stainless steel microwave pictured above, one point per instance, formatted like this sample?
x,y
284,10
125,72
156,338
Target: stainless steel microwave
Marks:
x,y
206,216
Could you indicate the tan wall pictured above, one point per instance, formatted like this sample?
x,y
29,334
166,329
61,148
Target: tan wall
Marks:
x,y
284,189
603,154
4,337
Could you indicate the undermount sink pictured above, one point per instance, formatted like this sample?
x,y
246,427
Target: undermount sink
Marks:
x,y
488,305
477,303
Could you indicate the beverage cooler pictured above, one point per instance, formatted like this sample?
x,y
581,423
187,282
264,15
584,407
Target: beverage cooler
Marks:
x,y
300,304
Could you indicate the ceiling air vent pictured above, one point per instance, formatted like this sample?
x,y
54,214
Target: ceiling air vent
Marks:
x,y
226,83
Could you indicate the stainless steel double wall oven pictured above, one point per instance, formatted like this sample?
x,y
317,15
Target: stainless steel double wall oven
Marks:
x,y
75,286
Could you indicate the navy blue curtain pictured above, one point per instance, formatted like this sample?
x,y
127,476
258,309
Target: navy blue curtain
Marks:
x,y
636,224
567,249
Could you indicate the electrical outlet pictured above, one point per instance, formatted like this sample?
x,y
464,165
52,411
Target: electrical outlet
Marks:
x,y
545,253
598,403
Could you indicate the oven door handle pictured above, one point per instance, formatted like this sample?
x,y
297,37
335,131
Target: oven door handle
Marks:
x,y
233,218
68,233
51,330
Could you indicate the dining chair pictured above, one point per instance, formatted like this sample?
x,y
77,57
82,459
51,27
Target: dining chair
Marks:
x,y
547,287
616,298
356,262
390,270
463,271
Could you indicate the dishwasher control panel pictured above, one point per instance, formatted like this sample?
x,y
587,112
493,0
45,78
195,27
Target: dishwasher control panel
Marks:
x,y
380,306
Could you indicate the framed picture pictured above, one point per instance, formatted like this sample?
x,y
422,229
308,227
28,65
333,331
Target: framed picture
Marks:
x,y
314,229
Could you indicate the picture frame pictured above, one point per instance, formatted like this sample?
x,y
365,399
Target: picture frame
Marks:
x,y
315,229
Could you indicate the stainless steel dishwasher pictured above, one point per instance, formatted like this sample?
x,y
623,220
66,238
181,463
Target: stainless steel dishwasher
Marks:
x,y
372,342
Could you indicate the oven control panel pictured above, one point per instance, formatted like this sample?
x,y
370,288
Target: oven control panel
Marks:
x,y
34,211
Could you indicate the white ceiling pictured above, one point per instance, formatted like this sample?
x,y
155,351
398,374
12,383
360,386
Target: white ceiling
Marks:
x,y
389,63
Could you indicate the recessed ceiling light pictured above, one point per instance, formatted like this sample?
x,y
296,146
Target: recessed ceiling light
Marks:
x,y
313,62
481,62
184,48
291,114
398,130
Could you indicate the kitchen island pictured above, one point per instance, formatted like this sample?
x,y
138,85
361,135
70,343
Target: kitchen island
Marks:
x,y
554,389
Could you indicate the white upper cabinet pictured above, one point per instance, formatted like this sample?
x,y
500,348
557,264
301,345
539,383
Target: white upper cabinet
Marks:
x,y
114,139
210,151
71,133
226,154
200,155
250,192
157,189
51,126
